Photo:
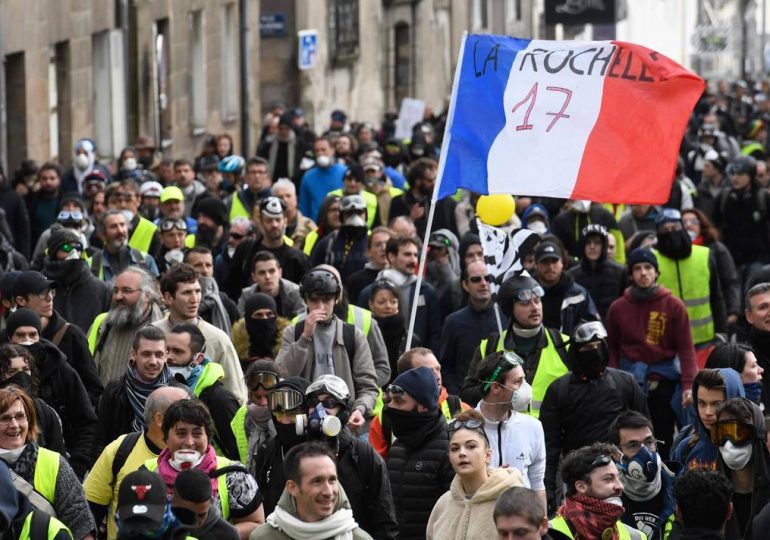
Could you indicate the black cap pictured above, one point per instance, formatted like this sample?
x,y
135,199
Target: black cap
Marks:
x,y
547,250
142,498
31,282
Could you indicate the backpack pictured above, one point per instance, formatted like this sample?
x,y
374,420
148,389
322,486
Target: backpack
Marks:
x,y
38,527
348,337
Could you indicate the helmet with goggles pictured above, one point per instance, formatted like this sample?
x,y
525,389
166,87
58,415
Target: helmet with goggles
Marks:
x,y
521,288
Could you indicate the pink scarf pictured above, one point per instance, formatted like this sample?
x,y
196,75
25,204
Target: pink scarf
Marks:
x,y
168,473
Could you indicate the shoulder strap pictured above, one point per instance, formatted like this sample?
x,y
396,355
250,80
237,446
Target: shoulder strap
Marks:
x,y
36,499
455,404
559,344
124,450
298,328
59,335
96,263
227,469
38,527
349,338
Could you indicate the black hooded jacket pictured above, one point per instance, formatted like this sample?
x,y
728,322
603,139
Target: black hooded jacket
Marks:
x,y
80,296
604,279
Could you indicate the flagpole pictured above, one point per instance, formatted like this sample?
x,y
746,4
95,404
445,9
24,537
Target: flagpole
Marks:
x,y
434,198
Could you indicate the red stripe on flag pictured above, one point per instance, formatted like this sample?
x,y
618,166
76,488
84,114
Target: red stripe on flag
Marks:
x,y
630,155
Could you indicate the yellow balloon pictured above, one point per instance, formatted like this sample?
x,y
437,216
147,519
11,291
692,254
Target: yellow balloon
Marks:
x,y
495,209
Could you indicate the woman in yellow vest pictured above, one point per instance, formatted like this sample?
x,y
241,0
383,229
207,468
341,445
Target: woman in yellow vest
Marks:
x,y
187,430
43,475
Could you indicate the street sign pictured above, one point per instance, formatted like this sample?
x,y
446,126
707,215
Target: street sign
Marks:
x,y
308,48
272,25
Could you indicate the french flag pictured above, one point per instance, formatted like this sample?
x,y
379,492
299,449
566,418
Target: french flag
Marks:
x,y
596,120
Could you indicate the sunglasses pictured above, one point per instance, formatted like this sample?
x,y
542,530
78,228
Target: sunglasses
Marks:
x,y
68,248
732,430
285,399
508,360
236,236
266,379
489,278
169,224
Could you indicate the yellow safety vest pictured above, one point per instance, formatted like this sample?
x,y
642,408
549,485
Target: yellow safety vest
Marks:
x,y
371,204
141,238
46,473
237,209
189,241
549,369
624,531
54,527
310,241
211,373
93,332
689,280
359,317
224,496
238,425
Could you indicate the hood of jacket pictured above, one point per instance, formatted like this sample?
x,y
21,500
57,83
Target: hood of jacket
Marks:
x,y
67,273
54,359
498,481
759,449
733,389
241,342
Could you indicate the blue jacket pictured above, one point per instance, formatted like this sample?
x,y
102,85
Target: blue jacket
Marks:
x,y
316,184
696,451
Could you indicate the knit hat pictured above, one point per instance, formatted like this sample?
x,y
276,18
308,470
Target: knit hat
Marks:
x,y
22,317
299,384
6,284
260,301
420,383
213,208
60,237
641,255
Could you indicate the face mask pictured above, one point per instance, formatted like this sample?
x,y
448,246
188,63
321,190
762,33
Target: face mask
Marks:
x,y
640,475
205,235
418,151
260,415
675,244
355,221
692,234
73,255
21,379
82,162
185,459
617,501
521,398
537,227
230,252
174,256
323,161
753,392
736,457
406,423
12,456
287,434
591,363
129,164
182,371
581,206
262,334
128,215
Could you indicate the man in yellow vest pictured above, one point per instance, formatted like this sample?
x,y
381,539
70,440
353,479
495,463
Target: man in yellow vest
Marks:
x,y
593,507
143,234
543,349
353,184
257,179
690,273
118,253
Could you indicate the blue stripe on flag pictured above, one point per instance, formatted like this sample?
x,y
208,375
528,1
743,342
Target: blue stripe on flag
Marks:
x,y
479,113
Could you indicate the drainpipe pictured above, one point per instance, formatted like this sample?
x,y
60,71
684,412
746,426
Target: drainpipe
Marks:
x,y
243,6
3,117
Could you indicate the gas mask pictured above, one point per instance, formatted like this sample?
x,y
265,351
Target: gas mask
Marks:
x,y
317,424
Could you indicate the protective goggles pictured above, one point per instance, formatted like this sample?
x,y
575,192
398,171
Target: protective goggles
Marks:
x,y
265,379
471,424
328,403
69,247
591,331
526,295
70,215
601,461
169,224
737,432
285,399
508,360
395,390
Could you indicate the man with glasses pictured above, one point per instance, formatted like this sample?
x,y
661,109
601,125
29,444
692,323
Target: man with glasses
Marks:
x,y
579,406
117,254
135,304
240,229
542,349
421,437
648,484
143,234
593,507
257,186
465,328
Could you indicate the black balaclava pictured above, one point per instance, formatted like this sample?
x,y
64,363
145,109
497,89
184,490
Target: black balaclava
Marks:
x,y
262,332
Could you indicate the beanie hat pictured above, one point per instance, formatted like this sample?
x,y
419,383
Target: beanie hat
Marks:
x,y
214,209
260,301
420,383
22,317
640,255
60,237
299,384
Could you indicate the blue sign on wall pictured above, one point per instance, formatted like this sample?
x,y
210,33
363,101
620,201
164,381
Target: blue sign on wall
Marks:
x,y
272,25
308,47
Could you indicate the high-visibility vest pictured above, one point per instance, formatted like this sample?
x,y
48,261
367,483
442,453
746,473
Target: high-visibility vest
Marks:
x,y
310,241
238,425
93,332
189,241
359,317
237,209
54,527
141,238
371,204
624,531
211,373
689,280
46,473
751,147
550,368
224,496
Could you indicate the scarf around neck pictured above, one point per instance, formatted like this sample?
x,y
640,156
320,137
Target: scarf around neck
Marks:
x,y
590,517
339,526
137,391
168,473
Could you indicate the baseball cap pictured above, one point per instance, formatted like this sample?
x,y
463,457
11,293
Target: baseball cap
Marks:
x,y
142,497
31,282
151,189
171,193
440,240
547,250
668,215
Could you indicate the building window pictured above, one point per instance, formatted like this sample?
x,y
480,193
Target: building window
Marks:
x,y
162,83
197,71
343,30
229,63
403,48
513,11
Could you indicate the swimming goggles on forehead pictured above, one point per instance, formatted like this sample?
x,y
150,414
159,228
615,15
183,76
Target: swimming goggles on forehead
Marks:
x,y
508,360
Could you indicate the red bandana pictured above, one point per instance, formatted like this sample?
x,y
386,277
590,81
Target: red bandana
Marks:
x,y
591,518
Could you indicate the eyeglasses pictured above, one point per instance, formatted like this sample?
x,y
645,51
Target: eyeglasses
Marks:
x,y
328,403
285,399
6,419
510,360
70,215
236,236
634,446
737,432
68,248
489,278
265,379
590,332
125,291
690,221
169,224
45,294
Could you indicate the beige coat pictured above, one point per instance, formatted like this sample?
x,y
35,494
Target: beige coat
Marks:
x,y
458,518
